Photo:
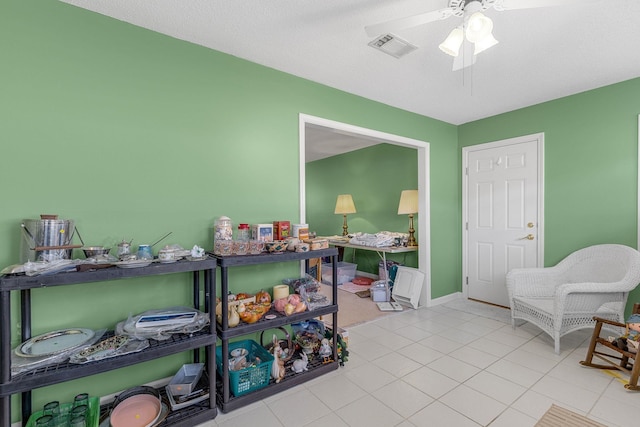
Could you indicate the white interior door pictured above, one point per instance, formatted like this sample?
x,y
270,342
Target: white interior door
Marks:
x,y
503,214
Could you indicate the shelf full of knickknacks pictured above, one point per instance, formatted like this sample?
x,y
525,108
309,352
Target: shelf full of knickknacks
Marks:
x,y
274,366
14,381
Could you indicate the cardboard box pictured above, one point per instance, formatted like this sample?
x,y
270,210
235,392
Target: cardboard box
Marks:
x,y
262,232
317,244
281,230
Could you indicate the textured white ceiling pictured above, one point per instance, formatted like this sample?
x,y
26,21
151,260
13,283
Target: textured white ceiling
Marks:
x,y
544,53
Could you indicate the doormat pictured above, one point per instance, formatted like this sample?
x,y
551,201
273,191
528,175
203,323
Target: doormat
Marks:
x,y
557,416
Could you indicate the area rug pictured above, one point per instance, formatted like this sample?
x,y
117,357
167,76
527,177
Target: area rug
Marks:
x,y
558,416
353,310
352,287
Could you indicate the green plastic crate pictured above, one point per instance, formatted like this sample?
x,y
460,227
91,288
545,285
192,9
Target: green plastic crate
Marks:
x,y
249,379
93,415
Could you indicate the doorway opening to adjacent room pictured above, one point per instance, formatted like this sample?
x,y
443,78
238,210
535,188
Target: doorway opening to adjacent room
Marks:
x,y
363,137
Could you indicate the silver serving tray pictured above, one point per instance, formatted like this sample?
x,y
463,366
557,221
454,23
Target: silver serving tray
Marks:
x,y
54,342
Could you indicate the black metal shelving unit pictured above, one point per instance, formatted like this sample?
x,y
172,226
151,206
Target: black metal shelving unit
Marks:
x,y
226,401
203,277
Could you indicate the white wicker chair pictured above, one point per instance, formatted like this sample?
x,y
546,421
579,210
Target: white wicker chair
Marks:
x,y
593,281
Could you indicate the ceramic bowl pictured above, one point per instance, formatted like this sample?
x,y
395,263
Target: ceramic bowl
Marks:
x,y
277,246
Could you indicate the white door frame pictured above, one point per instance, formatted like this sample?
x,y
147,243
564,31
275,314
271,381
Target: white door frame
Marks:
x,y
424,218
465,198
638,172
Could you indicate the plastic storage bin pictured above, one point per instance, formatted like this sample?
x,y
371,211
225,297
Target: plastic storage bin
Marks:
x,y
346,272
249,379
185,380
380,291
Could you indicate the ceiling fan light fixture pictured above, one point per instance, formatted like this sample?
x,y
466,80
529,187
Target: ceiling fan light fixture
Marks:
x,y
484,44
451,45
478,27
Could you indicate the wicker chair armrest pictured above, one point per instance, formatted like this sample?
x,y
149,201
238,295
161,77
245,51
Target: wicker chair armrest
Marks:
x,y
593,287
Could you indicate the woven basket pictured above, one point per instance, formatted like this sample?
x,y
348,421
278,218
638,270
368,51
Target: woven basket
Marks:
x,y
285,344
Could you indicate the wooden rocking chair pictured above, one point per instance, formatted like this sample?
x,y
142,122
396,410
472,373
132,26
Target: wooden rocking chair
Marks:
x,y
625,361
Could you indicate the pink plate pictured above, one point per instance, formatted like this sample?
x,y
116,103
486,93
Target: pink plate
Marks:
x,y
141,410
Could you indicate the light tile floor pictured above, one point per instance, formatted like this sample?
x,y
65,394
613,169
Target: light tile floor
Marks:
x,y
456,365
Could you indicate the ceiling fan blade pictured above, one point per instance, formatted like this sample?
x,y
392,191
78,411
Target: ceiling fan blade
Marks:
x,y
530,4
407,22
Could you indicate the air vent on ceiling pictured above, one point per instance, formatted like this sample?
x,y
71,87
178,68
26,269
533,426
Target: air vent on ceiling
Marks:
x,y
392,45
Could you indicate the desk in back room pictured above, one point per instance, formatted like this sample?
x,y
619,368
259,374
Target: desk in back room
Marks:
x,y
381,251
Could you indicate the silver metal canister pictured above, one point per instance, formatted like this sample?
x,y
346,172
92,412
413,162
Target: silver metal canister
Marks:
x,y
46,239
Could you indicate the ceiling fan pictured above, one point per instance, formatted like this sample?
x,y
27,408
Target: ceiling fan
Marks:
x,y
475,32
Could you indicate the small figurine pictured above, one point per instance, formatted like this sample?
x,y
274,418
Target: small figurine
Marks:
x,y
630,340
197,252
300,365
325,350
277,367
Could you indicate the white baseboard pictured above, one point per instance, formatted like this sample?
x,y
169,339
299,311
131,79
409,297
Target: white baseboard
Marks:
x,y
445,299
369,275
155,384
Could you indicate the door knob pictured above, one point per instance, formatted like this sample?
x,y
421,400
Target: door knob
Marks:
x,y
530,225
528,237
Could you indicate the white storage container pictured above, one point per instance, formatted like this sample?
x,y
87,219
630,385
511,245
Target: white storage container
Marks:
x,y
346,272
380,291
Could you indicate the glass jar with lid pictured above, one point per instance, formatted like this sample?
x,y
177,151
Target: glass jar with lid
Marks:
x,y
244,234
223,229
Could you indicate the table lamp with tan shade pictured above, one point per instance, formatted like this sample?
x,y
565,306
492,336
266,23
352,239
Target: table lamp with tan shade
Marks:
x,y
344,206
409,206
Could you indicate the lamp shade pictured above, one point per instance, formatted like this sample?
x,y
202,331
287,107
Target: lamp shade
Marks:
x,y
451,46
344,204
408,202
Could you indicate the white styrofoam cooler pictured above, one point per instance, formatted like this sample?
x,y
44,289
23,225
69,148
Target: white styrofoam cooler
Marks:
x,y
346,272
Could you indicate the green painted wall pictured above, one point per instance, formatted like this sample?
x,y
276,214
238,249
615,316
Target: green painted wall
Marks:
x,y
375,177
134,134
591,165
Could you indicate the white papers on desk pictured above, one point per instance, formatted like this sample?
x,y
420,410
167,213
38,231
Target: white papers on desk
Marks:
x,y
378,240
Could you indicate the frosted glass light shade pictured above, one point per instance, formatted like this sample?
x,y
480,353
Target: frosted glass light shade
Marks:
x,y
478,27
344,204
451,45
484,44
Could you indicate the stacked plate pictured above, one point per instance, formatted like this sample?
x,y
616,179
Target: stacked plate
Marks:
x,y
137,407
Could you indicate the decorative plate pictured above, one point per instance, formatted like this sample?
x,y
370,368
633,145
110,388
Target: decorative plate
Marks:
x,y
141,410
136,263
163,414
104,348
54,342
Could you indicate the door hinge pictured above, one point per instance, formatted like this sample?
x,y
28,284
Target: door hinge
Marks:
x,y
466,171
466,226
467,280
